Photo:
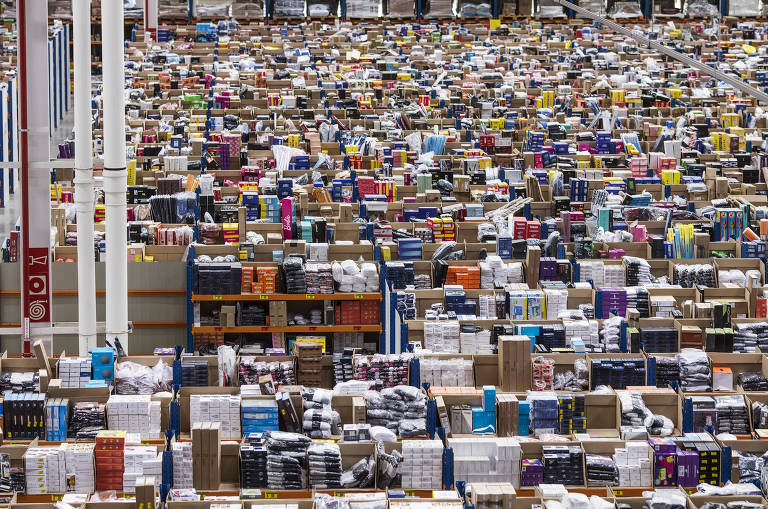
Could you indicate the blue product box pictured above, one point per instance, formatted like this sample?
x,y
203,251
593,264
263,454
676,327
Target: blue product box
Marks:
x,y
103,362
455,296
504,247
489,398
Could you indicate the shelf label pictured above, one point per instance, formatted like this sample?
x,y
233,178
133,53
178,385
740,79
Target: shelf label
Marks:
x,y
309,296
270,494
216,297
410,493
338,493
263,297
356,328
358,296
265,329
312,328
218,329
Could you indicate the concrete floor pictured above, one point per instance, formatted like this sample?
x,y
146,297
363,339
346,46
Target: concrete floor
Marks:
x,y
9,215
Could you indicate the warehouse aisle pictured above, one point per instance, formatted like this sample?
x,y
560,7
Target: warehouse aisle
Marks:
x,y
9,216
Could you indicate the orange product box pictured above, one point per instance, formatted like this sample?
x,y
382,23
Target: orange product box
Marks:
x,y
247,280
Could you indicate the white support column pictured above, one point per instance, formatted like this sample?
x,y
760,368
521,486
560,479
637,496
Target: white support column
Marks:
x,y
32,20
150,19
86,265
115,174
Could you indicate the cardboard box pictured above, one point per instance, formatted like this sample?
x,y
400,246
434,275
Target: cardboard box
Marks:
x,y
514,363
214,445
227,316
358,410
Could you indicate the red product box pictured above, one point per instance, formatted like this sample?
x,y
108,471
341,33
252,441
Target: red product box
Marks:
x,y
533,230
369,312
519,228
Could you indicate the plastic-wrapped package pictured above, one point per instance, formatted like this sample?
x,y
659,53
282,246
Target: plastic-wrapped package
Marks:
x,y
387,467
133,378
363,9
227,360
744,8
401,8
162,377
601,471
87,419
611,333
359,475
402,409
286,463
251,369
320,9
550,9
320,420
752,382
324,466
689,276
295,277
695,371
543,373
575,381
659,425
439,9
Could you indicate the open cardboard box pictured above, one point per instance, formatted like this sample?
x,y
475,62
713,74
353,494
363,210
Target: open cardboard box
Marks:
x,y
664,402
756,447
591,357
660,322
739,298
534,450
695,500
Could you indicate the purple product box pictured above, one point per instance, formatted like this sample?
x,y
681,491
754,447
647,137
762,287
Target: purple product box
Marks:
x,y
548,268
687,469
531,472
663,445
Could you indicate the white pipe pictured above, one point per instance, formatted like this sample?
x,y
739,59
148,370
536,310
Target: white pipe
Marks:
x,y
115,174
150,19
35,184
86,265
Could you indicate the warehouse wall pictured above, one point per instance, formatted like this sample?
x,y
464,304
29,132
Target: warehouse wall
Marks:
x,y
159,318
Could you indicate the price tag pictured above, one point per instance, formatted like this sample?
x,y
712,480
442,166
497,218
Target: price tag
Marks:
x,y
338,493
265,329
263,297
218,329
357,328
494,23
216,297
410,493
270,494
309,296
358,296
312,328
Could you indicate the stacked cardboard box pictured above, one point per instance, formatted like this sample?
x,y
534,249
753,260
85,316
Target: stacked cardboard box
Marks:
x,y
206,455
514,363
493,495
309,356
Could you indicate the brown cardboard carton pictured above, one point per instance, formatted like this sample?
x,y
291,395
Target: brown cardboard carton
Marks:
x,y
214,444
514,363
227,316
197,455
358,410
